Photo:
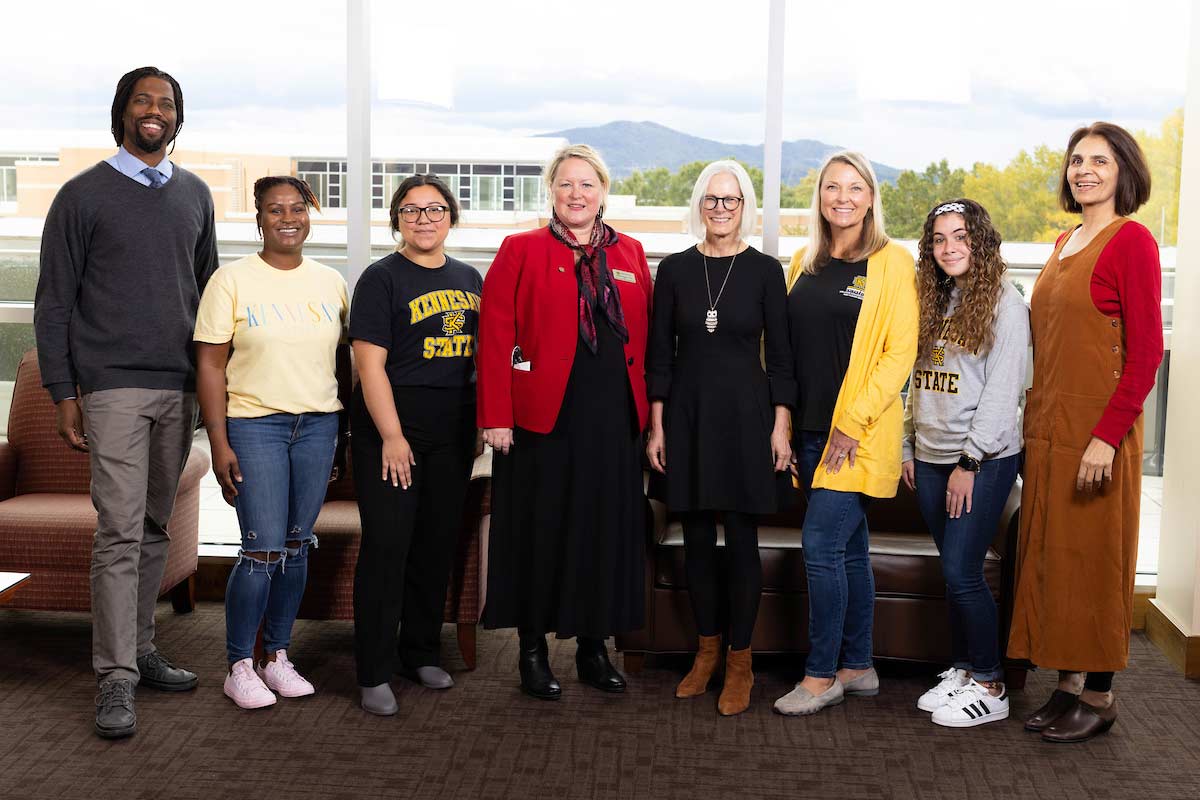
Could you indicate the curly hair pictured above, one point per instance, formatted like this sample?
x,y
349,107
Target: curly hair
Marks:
x,y
971,326
266,184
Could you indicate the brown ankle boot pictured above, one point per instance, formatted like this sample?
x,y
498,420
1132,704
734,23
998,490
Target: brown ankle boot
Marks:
x,y
695,683
735,697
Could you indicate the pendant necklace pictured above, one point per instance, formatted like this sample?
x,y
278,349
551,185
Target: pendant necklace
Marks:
x,y
710,318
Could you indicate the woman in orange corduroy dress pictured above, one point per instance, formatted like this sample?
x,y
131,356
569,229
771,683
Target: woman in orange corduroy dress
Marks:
x,y
1097,341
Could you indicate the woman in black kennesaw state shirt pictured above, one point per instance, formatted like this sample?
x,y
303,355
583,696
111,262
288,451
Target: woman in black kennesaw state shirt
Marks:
x,y
412,324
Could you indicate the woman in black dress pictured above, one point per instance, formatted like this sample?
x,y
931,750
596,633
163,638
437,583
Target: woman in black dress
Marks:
x,y
714,435
562,401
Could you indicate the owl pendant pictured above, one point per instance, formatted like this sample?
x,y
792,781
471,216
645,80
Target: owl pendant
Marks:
x,y
710,320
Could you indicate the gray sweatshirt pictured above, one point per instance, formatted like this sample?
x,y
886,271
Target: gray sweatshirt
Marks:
x,y
960,402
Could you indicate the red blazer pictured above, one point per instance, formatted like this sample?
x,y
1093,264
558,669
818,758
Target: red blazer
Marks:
x,y
530,299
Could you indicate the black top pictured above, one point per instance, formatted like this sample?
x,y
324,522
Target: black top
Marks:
x,y
718,416
822,314
425,318
122,269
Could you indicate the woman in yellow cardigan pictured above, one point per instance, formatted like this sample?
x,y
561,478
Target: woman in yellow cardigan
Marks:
x,y
852,310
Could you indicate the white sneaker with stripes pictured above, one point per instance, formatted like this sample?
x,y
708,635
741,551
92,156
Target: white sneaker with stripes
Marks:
x,y
951,681
972,705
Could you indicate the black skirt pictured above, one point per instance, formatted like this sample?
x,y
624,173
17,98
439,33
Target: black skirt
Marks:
x,y
567,542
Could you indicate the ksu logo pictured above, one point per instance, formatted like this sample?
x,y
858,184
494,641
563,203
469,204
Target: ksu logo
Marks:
x,y
938,356
857,289
453,322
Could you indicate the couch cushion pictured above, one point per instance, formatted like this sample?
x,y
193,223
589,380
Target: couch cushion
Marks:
x,y
47,531
903,563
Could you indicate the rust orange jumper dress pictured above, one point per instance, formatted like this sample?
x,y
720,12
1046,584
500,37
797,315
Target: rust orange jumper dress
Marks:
x,y
1078,550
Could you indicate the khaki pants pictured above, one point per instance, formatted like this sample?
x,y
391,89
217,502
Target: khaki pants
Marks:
x,y
139,441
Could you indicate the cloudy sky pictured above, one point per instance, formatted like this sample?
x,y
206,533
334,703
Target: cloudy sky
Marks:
x,y
906,82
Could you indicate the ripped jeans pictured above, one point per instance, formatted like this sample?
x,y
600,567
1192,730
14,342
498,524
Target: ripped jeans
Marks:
x,y
285,460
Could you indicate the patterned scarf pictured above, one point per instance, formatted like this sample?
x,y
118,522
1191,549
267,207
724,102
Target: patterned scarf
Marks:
x,y
596,291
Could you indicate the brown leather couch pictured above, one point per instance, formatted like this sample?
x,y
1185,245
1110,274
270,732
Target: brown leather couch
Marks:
x,y
47,520
910,607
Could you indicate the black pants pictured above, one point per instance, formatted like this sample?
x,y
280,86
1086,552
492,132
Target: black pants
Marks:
x,y
745,572
408,536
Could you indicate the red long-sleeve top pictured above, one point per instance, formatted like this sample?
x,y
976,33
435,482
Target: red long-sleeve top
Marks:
x,y
1127,284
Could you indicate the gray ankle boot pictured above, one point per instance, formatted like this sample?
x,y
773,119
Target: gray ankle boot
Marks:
x,y
379,700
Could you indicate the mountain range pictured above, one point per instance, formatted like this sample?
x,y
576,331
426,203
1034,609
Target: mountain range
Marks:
x,y
629,146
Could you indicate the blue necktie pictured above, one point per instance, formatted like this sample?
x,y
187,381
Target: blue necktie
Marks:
x,y
154,176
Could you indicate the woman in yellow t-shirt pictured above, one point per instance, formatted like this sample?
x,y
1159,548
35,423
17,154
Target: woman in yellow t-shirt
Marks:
x,y
267,338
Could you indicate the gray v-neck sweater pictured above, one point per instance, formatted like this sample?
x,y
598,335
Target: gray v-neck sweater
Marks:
x,y
122,269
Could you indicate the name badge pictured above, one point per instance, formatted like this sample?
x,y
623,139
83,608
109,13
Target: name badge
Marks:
x,y
622,275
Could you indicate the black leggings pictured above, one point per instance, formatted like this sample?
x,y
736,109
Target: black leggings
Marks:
x,y
1098,681
745,572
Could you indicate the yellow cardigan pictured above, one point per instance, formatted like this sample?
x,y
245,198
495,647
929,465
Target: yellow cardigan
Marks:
x,y
881,359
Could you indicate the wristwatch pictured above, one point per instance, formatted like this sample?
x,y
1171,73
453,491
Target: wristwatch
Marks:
x,y
968,463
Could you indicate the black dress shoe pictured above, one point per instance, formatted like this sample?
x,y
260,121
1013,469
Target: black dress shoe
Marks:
x,y
1080,723
159,673
115,716
534,662
1060,702
591,661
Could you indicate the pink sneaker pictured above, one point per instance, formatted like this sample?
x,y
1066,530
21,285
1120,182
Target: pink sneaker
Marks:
x,y
282,677
245,688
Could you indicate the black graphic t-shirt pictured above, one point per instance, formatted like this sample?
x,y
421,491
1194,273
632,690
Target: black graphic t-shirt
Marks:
x,y
822,315
425,318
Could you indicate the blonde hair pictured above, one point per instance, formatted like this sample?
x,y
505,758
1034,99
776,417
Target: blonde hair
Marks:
x,y
584,152
695,223
820,235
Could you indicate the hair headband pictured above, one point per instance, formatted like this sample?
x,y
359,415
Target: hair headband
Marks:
x,y
957,208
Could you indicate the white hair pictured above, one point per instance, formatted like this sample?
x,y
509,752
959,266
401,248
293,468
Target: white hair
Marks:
x,y
695,223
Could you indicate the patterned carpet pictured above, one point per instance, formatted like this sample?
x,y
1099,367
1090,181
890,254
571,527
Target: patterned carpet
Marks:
x,y
483,739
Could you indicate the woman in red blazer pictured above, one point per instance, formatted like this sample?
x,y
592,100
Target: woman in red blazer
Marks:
x,y
562,401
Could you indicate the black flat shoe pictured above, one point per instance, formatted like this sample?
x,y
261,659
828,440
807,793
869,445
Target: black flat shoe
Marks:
x,y
533,661
1060,702
594,668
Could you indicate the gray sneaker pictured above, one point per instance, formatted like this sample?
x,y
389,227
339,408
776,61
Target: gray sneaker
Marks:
x,y
378,700
865,685
115,716
430,677
159,673
801,701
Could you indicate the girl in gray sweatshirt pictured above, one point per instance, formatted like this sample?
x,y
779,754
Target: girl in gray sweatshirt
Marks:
x,y
963,440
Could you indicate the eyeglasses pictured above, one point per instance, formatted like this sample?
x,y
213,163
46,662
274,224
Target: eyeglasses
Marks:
x,y
413,213
710,202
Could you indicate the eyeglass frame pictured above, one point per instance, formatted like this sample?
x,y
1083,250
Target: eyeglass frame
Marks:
x,y
401,212
721,201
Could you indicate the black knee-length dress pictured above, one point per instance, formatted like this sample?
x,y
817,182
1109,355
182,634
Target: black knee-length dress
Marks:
x,y
567,541
718,413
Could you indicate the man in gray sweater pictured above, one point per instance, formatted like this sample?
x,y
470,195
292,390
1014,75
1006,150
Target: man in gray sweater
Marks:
x,y
127,248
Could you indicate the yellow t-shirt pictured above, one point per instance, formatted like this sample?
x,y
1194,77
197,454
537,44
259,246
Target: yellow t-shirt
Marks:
x,y
285,326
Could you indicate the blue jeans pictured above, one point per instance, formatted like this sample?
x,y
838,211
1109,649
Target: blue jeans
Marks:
x,y
841,586
963,544
285,461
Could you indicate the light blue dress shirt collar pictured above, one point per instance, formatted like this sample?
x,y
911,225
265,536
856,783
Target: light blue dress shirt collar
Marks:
x,y
131,166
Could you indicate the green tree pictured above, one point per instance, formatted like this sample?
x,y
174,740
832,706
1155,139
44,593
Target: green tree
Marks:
x,y
1164,153
661,187
915,194
1022,198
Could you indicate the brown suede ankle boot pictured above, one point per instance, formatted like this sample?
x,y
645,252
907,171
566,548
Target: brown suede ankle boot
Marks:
x,y
735,697
695,683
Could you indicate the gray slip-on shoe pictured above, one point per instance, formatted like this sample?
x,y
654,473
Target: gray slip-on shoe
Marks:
x,y
800,701
430,677
379,700
865,685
